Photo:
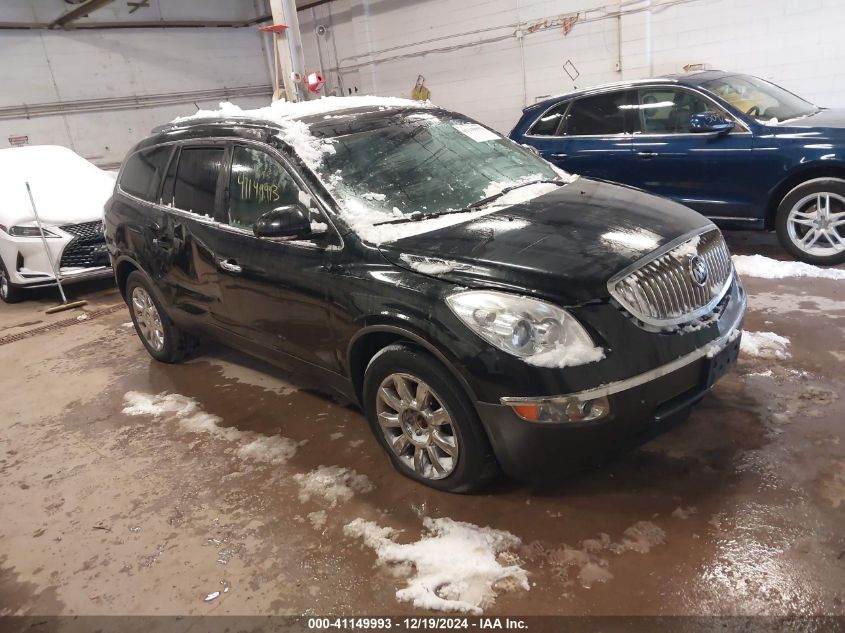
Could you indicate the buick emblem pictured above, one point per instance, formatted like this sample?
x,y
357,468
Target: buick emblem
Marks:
x,y
698,270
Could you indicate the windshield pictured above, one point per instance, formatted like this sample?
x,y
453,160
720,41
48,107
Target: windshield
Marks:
x,y
759,98
423,163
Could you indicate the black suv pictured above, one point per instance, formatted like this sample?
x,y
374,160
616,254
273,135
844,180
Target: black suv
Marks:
x,y
485,309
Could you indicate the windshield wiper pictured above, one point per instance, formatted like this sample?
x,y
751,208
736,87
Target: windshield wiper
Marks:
x,y
418,216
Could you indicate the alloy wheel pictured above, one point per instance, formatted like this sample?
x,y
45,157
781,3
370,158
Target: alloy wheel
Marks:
x,y
416,426
4,286
147,318
816,224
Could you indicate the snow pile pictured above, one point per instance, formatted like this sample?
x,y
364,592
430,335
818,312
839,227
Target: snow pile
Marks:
x,y
764,345
318,519
293,131
190,418
67,189
333,484
767,268
163,404
269,450
457,566
428,265
281,112
576,353
640,537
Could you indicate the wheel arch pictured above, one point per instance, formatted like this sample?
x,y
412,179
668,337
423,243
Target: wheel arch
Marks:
x,y
372,338
823,169
125,267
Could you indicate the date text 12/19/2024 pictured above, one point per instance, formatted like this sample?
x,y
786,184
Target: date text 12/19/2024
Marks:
x,y
416,624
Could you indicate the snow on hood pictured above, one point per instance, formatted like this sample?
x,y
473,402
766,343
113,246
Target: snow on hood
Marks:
x,y
67,188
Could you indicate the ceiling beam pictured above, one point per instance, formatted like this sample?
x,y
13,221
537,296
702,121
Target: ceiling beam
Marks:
x,y
79,12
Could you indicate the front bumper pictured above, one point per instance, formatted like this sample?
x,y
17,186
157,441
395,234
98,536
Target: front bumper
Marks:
x,y
641,407
29,266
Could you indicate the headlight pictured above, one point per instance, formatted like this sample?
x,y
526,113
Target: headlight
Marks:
x,y
539,332
29,231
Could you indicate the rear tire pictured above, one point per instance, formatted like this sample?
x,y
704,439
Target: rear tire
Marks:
x,y
9,293
810,222
164,341
432,434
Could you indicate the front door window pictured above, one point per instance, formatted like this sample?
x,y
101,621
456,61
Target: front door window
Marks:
x,y
258,184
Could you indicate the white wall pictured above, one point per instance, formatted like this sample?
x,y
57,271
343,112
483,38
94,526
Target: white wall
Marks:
x,y
57,67
796,43
467,50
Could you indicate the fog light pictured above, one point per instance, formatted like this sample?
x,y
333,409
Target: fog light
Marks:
x,y
559,409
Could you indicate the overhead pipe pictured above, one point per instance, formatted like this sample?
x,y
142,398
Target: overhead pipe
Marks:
x,y
29,111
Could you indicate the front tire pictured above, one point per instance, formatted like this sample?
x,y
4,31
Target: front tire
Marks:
x,y
425,422
810,222
164,341
9,293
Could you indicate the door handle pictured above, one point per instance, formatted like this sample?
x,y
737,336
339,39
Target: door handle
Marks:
x,y
559,155
647,154
230,265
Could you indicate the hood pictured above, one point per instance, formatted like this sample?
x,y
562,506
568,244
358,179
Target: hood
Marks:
x,y
830,118
563,246
67,189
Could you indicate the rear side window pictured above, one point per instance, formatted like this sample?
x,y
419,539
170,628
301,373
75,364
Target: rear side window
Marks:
x,y
195,186
602,114
258,184
548,124
143,172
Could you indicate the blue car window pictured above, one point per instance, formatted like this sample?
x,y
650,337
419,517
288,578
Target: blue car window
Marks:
x,y
550,122
599,115
668,110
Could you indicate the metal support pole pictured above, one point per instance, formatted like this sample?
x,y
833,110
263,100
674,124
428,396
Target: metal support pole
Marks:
x,y
289,46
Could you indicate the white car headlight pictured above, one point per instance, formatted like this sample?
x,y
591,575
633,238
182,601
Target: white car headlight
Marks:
x,y
521,326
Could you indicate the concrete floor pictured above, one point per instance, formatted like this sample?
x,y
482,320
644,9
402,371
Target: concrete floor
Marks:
x,y
740,510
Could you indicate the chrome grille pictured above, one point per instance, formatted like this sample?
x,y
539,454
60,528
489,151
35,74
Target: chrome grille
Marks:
x,y
664,292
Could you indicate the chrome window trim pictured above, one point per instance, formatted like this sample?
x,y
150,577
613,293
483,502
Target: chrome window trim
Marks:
x,y
641,379
687,317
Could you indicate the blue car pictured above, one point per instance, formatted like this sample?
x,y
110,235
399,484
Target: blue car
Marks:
x,y
741,151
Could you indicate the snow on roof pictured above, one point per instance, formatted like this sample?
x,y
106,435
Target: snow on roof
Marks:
x,y
281,112
67,188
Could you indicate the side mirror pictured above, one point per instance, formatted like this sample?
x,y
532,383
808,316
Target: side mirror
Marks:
x,y
291,221
710,123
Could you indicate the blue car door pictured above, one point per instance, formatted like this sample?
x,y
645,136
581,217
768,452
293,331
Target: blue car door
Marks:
x,y
589,136
707,172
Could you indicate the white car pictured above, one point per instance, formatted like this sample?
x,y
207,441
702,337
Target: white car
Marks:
x,y
69,194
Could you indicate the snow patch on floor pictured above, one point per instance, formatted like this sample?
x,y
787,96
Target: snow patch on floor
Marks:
x,y
190,418
767,268
318,519
589,564
764,345
332,484
269,450
456,566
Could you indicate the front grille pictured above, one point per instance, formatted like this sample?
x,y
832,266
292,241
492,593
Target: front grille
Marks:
x,y
662,292
87,249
